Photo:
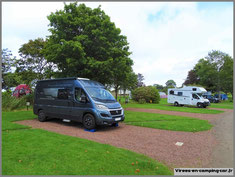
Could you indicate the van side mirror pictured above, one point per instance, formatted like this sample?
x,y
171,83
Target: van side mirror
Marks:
x,y
83,99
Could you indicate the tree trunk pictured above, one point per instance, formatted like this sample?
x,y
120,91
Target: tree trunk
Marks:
x,y
116,92
124,92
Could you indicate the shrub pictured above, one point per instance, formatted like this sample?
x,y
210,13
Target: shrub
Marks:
x,y
149,94
10,103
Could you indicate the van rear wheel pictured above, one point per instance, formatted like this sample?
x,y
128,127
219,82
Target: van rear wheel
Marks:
x,y
89,121
176,104
42,116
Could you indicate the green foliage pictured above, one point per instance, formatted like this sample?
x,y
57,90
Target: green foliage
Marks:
x,y
10,103
149,94
170,84
166,122
214,72
7,63
32,60
85,43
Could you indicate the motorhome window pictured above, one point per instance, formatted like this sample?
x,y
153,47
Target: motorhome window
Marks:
x,y
194,89
171,92
50,92
180,93
195,96
78,93
63,94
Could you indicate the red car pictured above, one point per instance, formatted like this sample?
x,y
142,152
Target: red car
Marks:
x,y
20,90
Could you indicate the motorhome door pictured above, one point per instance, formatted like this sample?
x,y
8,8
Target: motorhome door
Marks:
x,y
194,99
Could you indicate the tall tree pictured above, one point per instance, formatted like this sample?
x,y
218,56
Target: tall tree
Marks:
x,y
130,83
85,43
170,83
214,72
33,61
192,78
158,86
7,63
226,75
140,79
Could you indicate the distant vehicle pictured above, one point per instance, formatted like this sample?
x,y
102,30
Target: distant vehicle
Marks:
x,y
211,98
221,96
77,99
188,95
21,90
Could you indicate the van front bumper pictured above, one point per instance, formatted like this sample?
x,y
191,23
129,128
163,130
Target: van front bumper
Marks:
x,y
105,117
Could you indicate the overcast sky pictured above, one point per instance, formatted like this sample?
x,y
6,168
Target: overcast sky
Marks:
x,y
166,39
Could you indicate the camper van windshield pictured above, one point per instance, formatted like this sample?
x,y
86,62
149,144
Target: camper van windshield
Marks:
x,y
100,94
199,94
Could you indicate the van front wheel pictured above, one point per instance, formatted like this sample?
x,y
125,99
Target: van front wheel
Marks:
x,y
200,105
88,121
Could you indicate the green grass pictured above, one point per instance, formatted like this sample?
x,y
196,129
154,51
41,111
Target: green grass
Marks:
x,y
39,152
163,105
224,105
166,122
8,117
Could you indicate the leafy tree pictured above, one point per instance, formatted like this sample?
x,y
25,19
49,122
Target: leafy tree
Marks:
x,y
140,79
130,83
226,75
85,43
170,83
192,78
158,86
214,72
33,61
7,64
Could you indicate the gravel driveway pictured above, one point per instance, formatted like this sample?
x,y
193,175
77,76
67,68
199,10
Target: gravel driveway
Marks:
x,y
197,150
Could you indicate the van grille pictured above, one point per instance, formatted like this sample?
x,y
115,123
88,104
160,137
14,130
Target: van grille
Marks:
x,y
116,112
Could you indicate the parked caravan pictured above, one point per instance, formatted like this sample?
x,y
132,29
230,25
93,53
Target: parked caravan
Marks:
x,y
188,95
77,99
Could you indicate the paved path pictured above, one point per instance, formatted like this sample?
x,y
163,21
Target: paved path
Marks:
x,y
222,156
200,149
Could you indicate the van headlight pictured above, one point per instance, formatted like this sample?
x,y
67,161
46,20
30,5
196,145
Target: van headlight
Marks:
x,y
101,107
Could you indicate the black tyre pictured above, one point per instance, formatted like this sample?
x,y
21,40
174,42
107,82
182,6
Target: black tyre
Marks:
x,y
89,121
176,104
200,105
204,106
42,116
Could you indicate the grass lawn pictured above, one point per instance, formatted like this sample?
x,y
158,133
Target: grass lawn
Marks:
x,y
163,105
28,151
166,122
224,104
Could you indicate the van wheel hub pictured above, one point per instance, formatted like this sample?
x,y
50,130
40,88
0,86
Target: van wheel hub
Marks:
x,y
89,121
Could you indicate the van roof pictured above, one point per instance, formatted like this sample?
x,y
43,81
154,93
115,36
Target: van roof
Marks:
x,y
68,78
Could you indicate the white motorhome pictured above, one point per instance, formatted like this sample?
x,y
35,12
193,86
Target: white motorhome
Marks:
x,y
188,95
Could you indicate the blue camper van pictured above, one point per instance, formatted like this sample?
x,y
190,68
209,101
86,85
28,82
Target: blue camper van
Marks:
x,y
76,99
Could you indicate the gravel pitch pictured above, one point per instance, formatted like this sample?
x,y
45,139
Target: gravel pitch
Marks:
x,y
157,144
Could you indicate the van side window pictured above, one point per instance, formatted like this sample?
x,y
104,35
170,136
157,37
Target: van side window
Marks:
x,y
63,94
78,93
194,89
49,92
171,92
180,93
